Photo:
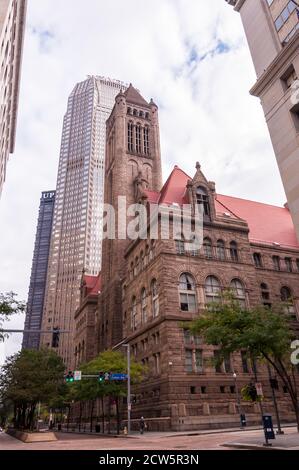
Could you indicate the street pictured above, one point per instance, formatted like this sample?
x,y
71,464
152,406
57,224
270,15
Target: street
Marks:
x,y
148,441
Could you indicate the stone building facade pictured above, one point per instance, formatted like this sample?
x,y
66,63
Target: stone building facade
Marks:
x,y
151,286
272,31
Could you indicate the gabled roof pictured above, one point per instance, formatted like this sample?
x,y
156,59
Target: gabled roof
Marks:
x,y
134,97
267,224
174,190
93,284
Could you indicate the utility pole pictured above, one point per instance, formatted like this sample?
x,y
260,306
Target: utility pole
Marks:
x,y
273,381
129,385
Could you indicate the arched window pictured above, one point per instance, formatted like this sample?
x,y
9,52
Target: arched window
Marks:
x,y
221,250
155,298
239,291
138,138
141,114
212,289
146,140
202,199
257,258
135,112
187,293
129,111
287,298
143,306
130,137
207,246
134,314
234,251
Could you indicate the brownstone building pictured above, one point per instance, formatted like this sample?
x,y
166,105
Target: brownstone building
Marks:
x,y
149,287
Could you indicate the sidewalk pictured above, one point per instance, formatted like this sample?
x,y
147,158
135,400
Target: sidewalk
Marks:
x,y
288,441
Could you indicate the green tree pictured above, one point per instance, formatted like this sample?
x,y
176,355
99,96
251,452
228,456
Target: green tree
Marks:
x,y
92,389
9,306
28,378
263,332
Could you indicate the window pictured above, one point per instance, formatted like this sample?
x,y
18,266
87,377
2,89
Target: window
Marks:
x,y
130,137
289,264
193,390
239,291
134,314
265,294
155,298
212,289
157,363
297,264
187,293
257,257
218,362
203,390
234,251
202,199
207,246
232,389
198,361
222,389
276,263
221,250
143,306
286,297
244,362
187,337
188,360
138,138
227,365
146,140
180,247
284,15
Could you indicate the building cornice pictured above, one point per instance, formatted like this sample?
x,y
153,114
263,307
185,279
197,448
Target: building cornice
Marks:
x,y
278,64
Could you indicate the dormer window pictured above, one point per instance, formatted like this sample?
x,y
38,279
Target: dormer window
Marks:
x,y
202,200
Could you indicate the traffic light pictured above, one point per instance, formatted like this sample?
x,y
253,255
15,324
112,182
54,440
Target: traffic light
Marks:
x,y
101,378
104,377
69,377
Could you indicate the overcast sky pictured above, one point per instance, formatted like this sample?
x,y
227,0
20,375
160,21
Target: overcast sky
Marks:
x,y
190,56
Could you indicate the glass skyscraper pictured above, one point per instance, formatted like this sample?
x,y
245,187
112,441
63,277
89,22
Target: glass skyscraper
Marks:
x,y
39,268
77,225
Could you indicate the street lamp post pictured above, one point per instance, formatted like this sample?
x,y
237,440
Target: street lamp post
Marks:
x,y
129,385
272,385
239,401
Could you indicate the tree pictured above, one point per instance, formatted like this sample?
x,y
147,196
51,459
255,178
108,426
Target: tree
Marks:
x,y
9,306
27,378
265,334
91,389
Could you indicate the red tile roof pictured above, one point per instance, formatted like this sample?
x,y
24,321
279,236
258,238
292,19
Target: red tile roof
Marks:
x,y
267,224
93,284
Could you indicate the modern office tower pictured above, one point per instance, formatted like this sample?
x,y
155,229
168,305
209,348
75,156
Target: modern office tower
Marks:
x,y
77,225
272,30
12,26
35,304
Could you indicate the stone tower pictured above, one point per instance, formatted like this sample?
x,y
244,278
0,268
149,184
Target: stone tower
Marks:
x,y
272,31
133,164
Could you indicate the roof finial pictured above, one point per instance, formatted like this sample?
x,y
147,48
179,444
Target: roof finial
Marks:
x,y
198,166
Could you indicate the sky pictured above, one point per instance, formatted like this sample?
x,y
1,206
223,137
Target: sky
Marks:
x,y
190,56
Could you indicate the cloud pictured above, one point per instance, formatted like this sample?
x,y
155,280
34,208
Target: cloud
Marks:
x,y
190,56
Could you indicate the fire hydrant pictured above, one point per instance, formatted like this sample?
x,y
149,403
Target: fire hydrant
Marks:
x,y
125,431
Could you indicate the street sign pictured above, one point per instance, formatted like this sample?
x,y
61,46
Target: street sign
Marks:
x,y
259,389
118,377
77,375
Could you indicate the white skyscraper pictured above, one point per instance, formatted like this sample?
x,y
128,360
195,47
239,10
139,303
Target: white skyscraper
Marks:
x,y
77,223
